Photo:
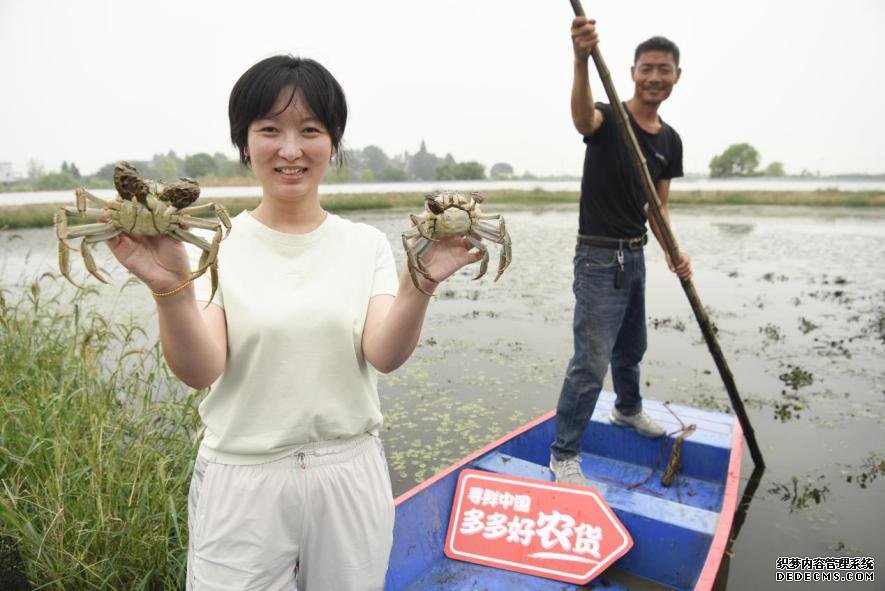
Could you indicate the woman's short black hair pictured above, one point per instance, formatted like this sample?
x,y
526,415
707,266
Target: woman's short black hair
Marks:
x,y
257,90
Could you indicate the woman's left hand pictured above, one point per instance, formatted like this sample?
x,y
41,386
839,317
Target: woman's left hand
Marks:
x,y
446,256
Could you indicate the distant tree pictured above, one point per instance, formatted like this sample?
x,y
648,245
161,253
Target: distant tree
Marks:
x,y
471,170
366,176
167,167
400,161
392,174
445,172
106,172
220,160
145,168
94,182
736,160
75,171
339,174
501,170
56,181
375,158
352,158
234,168
198,165
774,169
64,166
423,164
461,171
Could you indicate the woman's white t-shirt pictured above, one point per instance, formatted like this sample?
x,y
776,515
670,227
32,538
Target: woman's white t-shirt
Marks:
x,y
295,306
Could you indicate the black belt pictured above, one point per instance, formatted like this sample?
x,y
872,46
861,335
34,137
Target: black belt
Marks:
x,y
616,243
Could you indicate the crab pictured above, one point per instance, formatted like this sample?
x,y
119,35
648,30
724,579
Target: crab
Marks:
x,y
452,213
142,207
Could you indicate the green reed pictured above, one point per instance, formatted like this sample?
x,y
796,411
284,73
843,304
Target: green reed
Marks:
x,y
96,448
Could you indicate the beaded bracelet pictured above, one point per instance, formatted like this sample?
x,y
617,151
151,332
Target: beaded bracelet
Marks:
x,y
163,294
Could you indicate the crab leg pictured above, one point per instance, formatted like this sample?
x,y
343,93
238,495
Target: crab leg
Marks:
x,y
418,247
83,196
89,261
223,217
476,241
61,227
488,234
91,238
208,258
89,230
414,263
421,227
64,247
193,222
64,262
219,210
210,251
423,246
506,256
84,213
502,238
498,229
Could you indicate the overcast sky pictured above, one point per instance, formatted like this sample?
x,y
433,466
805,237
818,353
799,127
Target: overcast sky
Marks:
x,y
94,81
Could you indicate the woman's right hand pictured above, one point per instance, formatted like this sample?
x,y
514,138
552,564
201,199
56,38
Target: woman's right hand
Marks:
x,y
160,262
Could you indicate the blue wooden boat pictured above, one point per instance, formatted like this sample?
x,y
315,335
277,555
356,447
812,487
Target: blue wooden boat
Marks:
x,y
679,532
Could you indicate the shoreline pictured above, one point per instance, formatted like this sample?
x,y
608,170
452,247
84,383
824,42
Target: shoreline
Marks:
x,y
40,215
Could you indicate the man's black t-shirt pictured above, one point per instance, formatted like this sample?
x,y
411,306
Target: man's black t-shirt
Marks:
x,y
612,197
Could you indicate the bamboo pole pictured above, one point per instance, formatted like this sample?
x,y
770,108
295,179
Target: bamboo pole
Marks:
x,y
625,131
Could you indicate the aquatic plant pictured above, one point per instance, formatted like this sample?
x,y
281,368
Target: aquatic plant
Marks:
x,y
772,333
871,468
797,378
806,325
813,490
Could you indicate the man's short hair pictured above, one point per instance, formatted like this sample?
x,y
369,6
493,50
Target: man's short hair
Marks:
x,y
657,43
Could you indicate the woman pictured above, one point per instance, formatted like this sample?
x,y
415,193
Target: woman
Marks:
x,y
290,470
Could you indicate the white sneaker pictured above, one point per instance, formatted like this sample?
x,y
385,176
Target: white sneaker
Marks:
x,y
643,423
568,470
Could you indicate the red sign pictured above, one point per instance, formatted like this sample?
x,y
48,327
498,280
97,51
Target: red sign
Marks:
x,y
558,531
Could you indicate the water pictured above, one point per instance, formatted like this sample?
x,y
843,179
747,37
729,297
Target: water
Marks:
x,y
691,184
797,294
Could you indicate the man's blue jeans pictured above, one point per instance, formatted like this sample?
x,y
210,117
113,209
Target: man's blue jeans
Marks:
x,y
609,327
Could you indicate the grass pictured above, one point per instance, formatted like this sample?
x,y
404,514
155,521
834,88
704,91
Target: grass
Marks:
x,y
95,454
40,215
803,198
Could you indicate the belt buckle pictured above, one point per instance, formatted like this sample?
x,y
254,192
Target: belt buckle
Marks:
x,y
634,243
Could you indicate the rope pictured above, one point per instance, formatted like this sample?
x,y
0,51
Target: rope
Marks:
x,y
674,462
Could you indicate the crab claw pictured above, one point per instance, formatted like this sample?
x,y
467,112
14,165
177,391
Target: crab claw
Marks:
x,y
128,183
432,204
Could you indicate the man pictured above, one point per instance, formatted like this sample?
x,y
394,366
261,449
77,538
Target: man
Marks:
x,y
609,285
